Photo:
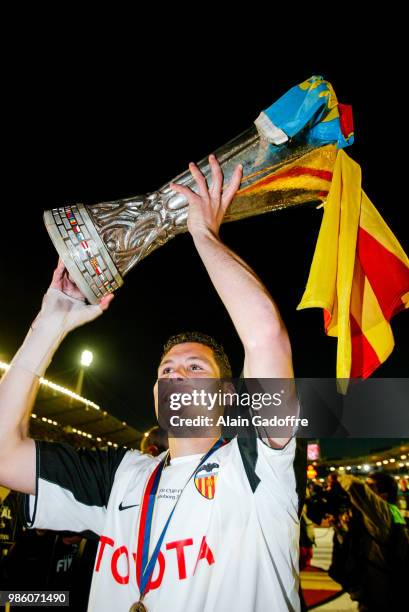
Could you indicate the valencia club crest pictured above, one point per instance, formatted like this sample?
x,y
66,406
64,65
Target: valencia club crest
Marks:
x,y
205,479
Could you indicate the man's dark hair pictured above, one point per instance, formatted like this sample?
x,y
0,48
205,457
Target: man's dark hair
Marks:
x,y
386,484
155,441
218,351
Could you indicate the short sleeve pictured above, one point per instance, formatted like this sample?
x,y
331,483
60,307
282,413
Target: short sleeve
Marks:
x,y
72,487
277,472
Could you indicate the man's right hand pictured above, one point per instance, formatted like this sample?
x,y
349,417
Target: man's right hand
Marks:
x,y
64,307
61,280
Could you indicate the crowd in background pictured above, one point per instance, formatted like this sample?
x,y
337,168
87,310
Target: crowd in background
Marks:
x,y
370,557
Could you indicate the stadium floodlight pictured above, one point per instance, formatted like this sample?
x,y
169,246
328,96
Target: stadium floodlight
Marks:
x,y
86,358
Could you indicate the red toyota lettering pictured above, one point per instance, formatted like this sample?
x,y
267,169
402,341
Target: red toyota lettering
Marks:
x,y
160,566
204,553
180,554
103,541
122,550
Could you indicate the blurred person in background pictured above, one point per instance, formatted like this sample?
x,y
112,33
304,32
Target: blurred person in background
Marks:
x,y
371,544
403,498
43,560
307,535
8,519
155,441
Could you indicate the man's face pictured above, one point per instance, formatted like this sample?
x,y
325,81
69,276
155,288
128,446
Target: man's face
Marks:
x,y
184,361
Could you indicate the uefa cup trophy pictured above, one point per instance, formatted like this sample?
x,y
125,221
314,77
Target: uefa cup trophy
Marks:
x,y
287,158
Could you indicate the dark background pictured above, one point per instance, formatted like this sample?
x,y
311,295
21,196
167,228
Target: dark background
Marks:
x,y
100,113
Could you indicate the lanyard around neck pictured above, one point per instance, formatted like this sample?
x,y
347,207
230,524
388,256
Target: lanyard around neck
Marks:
x,y
145,567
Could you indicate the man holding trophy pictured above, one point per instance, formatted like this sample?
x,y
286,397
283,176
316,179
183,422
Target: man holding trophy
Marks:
x,y
166,540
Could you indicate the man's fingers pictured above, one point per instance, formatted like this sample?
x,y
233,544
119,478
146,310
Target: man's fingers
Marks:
x,y
60,266
105,301
200,180
186,191
217,177
59,271
233,186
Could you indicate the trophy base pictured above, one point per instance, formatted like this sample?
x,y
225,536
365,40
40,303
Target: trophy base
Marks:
x,y
85,256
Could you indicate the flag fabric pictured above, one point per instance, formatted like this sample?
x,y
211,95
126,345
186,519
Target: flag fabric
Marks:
x,y
307,178
299,136
359,275
311,110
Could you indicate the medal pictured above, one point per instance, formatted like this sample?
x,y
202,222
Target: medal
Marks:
x,y
139,606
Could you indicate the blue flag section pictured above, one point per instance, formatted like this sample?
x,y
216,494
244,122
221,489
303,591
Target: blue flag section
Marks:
x,y
310,109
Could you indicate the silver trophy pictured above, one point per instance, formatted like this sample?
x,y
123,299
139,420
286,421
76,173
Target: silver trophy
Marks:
x,y
101,243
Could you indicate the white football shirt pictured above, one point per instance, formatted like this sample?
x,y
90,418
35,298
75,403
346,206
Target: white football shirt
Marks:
x,y
232,543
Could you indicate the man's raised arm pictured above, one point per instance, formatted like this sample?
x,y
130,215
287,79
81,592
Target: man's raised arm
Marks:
x,y
63,309
249,304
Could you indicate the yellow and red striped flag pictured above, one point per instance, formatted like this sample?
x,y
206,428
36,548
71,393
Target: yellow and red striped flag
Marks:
x,y
359,275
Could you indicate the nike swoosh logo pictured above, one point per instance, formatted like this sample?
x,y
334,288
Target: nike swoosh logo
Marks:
x,y
121,507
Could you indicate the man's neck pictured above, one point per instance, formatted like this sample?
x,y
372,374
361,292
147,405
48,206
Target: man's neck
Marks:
x,y
180,447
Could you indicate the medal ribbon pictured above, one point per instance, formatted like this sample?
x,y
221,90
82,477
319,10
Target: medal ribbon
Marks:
x,y
144,568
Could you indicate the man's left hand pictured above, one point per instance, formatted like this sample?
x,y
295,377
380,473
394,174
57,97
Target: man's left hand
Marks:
x,y
208,207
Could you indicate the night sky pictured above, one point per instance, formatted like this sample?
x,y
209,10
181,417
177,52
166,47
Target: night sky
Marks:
x,y
101,125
